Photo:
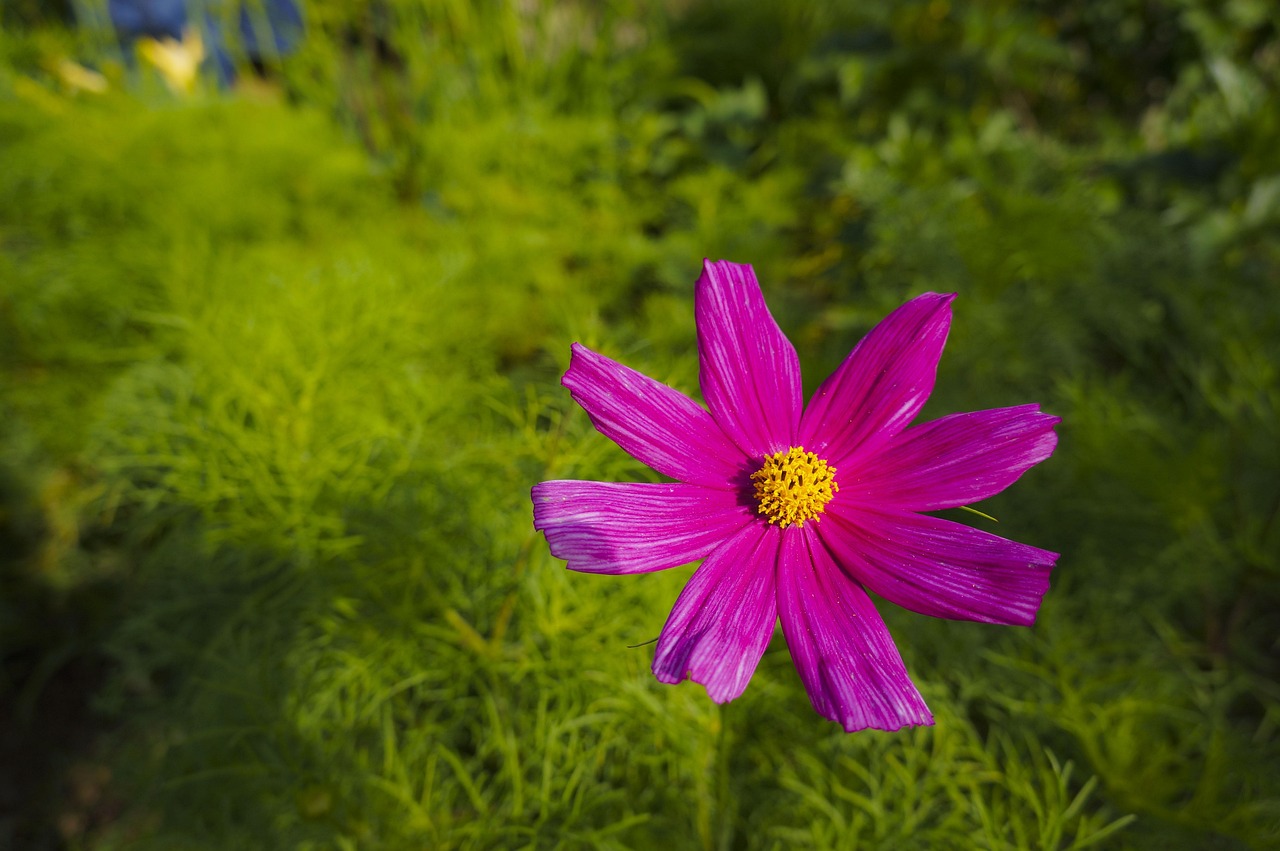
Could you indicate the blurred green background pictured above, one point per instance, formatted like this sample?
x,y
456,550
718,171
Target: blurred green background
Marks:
x,y
279,364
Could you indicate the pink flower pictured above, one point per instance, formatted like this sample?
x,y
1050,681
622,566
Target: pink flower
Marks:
x,y
798,511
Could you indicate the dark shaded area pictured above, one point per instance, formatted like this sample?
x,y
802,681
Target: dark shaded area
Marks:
x,y
53,786
32,13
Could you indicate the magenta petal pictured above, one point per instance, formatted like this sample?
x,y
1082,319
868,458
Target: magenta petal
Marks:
x,y
956,460
882,384
937,567
842,649
750,374
622,527
724,618
657,425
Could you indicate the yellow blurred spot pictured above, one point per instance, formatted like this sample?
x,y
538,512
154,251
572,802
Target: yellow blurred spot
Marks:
x,y
78,78
38,96
177,61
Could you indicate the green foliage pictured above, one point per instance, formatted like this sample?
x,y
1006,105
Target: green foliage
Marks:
x,y
277,379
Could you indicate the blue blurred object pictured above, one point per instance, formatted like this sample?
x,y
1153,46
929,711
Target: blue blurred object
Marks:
x,y
270,28
267,29
134,19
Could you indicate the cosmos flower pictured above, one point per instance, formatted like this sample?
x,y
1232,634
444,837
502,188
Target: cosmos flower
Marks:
x,y
797,511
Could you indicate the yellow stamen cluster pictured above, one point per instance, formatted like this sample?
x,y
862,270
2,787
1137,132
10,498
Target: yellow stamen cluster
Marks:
x,y
793,486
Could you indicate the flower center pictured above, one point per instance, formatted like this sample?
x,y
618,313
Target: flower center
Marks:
x,y
793,486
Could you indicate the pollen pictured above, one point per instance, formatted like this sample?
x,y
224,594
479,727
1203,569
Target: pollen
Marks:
x,y
793,486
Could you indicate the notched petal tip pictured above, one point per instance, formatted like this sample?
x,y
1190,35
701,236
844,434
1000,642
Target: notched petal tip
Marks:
x,y
932,303
576,352
720,274
726,268
720,691
1037,411
924,719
